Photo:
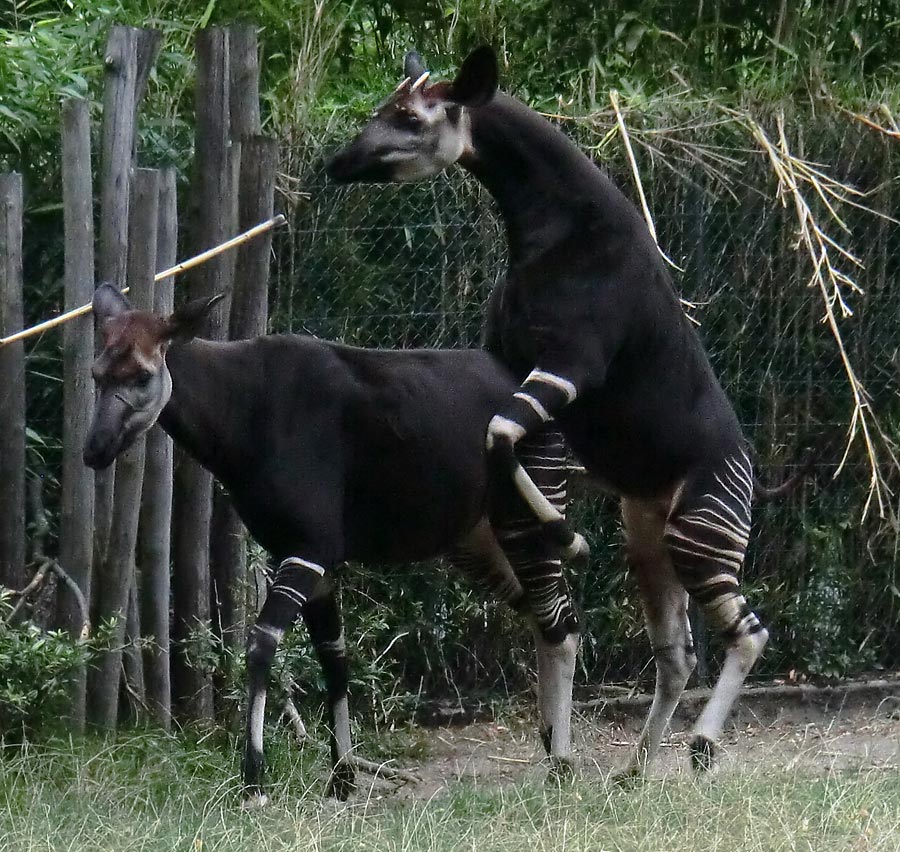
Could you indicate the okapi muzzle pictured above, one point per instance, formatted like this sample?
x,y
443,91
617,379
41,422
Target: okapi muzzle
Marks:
x,y
132,379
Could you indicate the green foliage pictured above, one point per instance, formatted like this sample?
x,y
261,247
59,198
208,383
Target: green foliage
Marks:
x,y
35,671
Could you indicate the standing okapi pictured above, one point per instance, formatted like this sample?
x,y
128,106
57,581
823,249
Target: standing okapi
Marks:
x,y
333,453
588,321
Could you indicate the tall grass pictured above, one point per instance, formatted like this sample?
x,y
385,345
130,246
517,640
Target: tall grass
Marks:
x,y
147,792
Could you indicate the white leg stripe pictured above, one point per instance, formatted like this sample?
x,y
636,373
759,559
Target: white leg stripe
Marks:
x,y
275,633
342,727
539,504
302,563
556,381
257,717
500,425
538,408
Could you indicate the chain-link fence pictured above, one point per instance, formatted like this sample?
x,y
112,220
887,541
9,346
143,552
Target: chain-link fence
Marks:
x,y
410,266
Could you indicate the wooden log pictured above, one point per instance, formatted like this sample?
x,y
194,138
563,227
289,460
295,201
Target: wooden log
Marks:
x,y
248,315
117,576
214,203
12,388
243,52
77,499
250,299
128,57
117,142
154,540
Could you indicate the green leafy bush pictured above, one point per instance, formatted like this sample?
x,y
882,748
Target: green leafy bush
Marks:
x,y
35,671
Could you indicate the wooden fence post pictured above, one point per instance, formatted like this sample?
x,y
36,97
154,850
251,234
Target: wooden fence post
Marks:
x,y
12,387
114,585
128,55
228,538
77,501
154,538
213,177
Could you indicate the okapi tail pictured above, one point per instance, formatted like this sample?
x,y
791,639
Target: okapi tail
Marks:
x,y
762,494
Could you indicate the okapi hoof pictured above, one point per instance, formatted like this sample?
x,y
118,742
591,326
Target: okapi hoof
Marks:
x,y
254,800
562,769
342,782
703,754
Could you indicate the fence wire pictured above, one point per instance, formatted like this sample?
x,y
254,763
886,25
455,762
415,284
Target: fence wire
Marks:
x,y
412,266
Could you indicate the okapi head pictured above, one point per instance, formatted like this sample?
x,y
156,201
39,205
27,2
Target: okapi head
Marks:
x,y
420,129
132,379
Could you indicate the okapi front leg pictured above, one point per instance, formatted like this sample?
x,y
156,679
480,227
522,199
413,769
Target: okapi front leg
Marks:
x,y
545,593
540,397
294,583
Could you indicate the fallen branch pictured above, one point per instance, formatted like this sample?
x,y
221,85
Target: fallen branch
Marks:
x,y
800,692
383,770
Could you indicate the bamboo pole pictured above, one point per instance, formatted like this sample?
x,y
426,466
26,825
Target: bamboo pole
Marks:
x,y
184,266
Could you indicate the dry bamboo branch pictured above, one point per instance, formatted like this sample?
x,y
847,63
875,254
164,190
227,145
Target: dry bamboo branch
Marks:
x,y
792,172
184,266
614,100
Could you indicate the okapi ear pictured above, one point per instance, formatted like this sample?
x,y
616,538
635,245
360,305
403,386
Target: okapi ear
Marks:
x,y
185,322
413,66
477,78
108,302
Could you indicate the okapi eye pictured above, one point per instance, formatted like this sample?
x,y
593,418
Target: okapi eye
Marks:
x,y
410,120
143,378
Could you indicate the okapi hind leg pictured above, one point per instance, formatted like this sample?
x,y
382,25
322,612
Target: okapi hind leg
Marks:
x,y
322,617
539,398
707,538
664,601
295,582
483,561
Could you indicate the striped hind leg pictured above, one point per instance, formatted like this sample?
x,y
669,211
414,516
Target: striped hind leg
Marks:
x,y
542,395
545,592
664,602
707,534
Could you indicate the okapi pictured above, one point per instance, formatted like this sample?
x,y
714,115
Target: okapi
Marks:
x,y
588,321
334,453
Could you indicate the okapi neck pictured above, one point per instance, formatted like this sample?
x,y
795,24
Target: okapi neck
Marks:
x,y
539,178
201,416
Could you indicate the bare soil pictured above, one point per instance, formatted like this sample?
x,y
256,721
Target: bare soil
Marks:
x,y
853,727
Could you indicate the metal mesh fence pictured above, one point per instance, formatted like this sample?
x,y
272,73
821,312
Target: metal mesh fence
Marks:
x,y
408,266
411,266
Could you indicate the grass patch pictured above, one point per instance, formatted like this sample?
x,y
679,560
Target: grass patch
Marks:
x,y
148,792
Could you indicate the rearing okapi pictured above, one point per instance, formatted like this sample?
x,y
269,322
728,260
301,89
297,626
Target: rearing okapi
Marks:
x,y
333,453
588,321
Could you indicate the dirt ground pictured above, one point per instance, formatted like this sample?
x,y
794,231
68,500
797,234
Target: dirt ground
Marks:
x,y
855,727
